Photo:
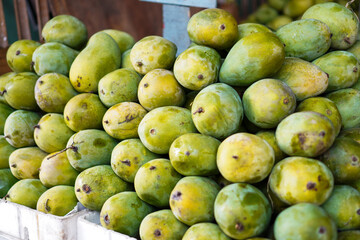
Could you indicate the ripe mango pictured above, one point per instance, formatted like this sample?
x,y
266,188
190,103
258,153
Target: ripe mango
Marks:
x,y
19,55
124,40
205,231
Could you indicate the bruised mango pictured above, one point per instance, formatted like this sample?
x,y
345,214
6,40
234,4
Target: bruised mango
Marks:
x,y
19,55
205,231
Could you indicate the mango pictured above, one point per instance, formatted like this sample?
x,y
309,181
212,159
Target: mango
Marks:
x,y
355,49
4,79
246,29
269,137
279,22
5,111
265,14
205,231
276,203
5,150
7,180
356,85
124,40
295,8
19,55
278,4
190,99
125,60
353,133
349,235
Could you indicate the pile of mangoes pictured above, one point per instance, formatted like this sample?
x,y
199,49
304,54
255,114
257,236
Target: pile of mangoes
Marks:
x,y
247,134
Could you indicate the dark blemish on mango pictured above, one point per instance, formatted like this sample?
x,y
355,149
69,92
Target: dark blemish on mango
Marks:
x,y
86,188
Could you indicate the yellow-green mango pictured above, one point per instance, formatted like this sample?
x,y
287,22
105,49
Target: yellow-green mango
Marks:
x,y
197,67
119,86
159,88
214,27
236,166
5,150
356,85
100,56
356,184
125,60
124,40
349,235
277,204
162,225
5,111
53,91
265,14
7,180
355,49
4,79
343,23
304,78
58,200
19,55
279,22
313,185
205,231
190,99
269,137
152,52
67,30
252,58
295,8
306,39
278,4
246,29
353,133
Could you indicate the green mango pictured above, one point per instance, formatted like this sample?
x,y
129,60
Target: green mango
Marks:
x,y
19,128
313,185
67,30
7,180
5,111
19,91
347,101
217,111
95,185
349,235
53,57
56,170
269,137
353,133
295,8
84,111
205,231
128,156
304,78
190,99
214,27
4,79
5,150
194,154
343,159
242,211
343,23
119,86
356,85
26,192
125,60
89,148
344,207
152,52
124,212
246,29
265,14
192,200
161,126
279,22
58,200
304,221
342,67
124,40
53,91
19,55
51,133
162,225
305,134
323,106
355,49
252,167
306,39
276,203
154,182
197,67
25,162
278,4
356,184
254,57
100,57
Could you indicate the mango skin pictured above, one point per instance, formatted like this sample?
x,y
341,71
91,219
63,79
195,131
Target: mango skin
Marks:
x,y
343,23
162,225
56,170
308,221
190,99
355,49
343,159
19,55
194,154
353,133
313,186
100,56
214,27
197,67
26,192
118,86
4,79
125,60
242,211
278,4
124,212
19,128
246,29
254,57
84,111
159,88
217,111
205,231
128,156
161,126
349,235
53,91
265,14
154,182
307,39
347,101
121,121
5,111
7,180
124,40
304,78
51,133
5,150
342,67
67,30
295,8
95,185
356,85
162,54
58,201
89,148
269,137
305,134
279,22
